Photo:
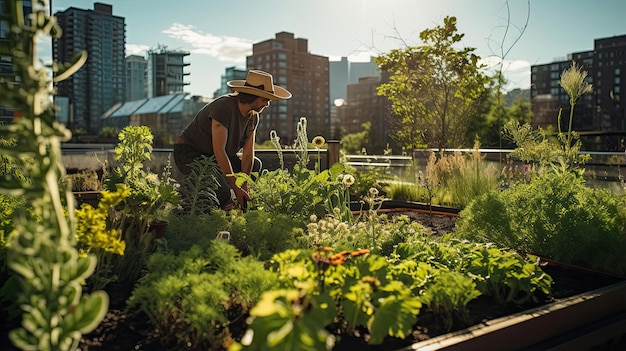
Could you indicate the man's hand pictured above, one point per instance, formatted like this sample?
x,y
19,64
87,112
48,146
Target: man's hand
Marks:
x,y
242,195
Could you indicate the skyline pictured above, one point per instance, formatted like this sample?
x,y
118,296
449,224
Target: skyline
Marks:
x,y
219,37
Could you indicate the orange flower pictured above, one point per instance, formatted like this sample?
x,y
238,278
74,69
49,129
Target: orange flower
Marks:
x,y
360,252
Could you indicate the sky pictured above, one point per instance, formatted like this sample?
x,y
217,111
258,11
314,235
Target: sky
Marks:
x,y
220,34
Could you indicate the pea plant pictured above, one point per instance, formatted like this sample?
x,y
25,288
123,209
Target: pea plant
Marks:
x,y
43,254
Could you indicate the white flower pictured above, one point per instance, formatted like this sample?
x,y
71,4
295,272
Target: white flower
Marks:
x,y
348,180
373,192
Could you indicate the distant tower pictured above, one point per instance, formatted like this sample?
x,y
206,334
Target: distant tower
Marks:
x,y
231,73
305,75
342,74
166,72
136,67
101,82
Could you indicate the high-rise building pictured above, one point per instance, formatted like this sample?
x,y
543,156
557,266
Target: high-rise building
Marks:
x,y
305,75
101,82
343,73
6,65
136,67
363,104
600,113
166,71
230,73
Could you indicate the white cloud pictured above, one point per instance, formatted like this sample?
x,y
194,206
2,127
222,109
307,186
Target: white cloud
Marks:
x,y
517,72
223,48
136,49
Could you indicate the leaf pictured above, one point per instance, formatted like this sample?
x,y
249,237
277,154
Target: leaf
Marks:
x,y
87,314
394,317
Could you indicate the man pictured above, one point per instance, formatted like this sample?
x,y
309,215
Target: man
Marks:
x,y
225,127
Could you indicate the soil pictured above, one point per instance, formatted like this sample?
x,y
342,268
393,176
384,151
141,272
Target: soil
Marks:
x,y
127,331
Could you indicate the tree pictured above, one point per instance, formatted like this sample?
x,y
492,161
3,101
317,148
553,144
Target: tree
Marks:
x,y
435,90
488,126
355,142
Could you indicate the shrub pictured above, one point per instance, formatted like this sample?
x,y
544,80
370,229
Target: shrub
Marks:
x,y
555,216
191,297
263,234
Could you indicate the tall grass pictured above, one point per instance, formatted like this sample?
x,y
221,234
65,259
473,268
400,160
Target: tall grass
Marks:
x,y
449,180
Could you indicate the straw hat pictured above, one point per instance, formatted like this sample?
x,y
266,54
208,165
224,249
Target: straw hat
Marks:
x,y
261,84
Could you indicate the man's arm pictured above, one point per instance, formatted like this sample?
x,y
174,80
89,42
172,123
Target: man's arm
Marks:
x,y
220,136
247,156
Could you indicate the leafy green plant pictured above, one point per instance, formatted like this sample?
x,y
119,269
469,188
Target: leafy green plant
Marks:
x,y
448,295
299,192
507,276
43,254
188,229
317,289
192,297
501,274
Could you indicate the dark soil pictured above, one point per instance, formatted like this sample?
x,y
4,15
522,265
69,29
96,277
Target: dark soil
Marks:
x,y
125,331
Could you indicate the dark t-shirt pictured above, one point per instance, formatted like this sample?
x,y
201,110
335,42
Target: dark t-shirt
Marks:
x,y
225,110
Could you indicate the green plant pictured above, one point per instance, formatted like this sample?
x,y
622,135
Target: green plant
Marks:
x,y
85,180
263,234
502,274
197,190
193,296
562,154
352,287
448,295
300,192
378,233
43,254
103,242
150,197
457,179
556,216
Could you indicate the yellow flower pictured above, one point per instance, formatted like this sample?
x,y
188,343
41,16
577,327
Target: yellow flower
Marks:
x,y
318,141
348,180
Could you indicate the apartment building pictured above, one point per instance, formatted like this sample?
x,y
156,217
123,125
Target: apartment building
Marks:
x,y
598,116
101,82
305,75
166,71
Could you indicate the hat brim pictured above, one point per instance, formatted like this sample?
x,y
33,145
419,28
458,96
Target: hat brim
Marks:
x,y
280,93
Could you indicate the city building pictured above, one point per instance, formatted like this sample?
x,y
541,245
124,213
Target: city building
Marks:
x,y
363,104
341,74
136,87
166,71
165,115
230,73
6,65
305,75
101,82
599,117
